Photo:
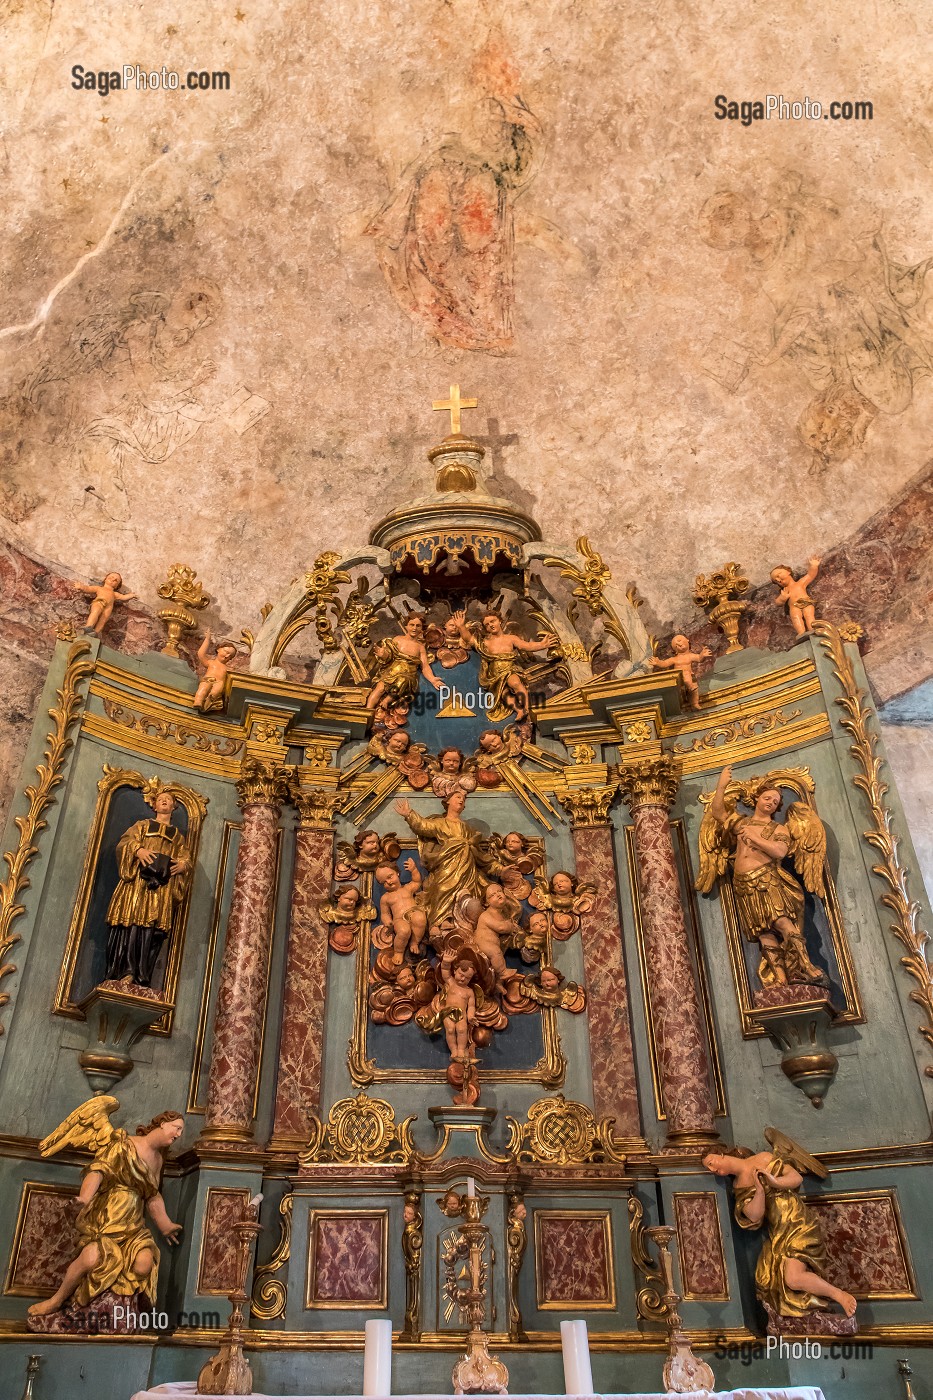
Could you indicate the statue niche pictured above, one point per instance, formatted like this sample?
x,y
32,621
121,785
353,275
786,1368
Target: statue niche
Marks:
x,y
131,911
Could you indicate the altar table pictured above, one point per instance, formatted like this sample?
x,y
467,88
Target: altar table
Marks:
x,y
184,1390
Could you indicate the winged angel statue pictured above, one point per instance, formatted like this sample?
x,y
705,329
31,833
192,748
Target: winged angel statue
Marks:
x,y
769,899
790,1277
118,1254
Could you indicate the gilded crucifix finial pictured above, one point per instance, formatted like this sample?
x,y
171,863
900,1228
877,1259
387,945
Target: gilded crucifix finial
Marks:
x,y
454,404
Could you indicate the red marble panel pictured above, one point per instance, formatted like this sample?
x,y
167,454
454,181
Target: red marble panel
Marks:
x,y
241,996
217,1268
865,1248
675,1005
573,1259
702,1266
45,1242
298,1087
347,1261
615,1093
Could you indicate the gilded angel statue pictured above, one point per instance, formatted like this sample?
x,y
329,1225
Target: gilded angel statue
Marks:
x,y
117,1254
790,1277
769,899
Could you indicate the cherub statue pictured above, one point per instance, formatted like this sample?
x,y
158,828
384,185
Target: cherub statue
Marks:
x,y
549,988
497,926
154,865
210,691
400,752
770,901
446,643
118,1254
794,592
685,661
565,898
534,941
499,662
400,911
451,772
105,595
458,1005
401,660
344,911
521,856
367,850
491,749
790,1275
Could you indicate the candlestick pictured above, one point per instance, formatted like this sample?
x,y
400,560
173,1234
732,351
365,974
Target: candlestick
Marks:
x,y
377,1358
578,1374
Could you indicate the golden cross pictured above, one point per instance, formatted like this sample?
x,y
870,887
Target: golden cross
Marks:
x,y
454,404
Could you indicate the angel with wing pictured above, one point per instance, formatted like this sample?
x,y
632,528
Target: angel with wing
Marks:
x,y
769,899
790,1275
118,1253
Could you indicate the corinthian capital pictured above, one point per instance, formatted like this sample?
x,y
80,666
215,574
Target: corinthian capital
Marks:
x,y
262,781
588,806
317,807
649,782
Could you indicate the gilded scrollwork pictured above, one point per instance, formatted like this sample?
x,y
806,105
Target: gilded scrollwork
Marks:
x,y
270,1294
649,1300
737,729
40,796
881,836
359,1131
170,731
412,1250
562,1133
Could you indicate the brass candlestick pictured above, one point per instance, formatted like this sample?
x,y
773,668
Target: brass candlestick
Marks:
x,y
683,1372
718,594
229,1372
465,1280
32,1370
905,1371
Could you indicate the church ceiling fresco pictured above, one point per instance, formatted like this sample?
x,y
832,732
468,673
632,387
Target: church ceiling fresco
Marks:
x,y
225,309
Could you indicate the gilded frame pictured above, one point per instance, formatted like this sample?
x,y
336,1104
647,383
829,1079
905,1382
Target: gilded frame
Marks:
x,y
888,1193
800,782
30,1188
550,1070
356,1304
196,808
706,1001
241,1191
604,1217
688,1296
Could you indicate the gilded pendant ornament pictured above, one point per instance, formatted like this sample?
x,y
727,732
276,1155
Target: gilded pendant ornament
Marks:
x,y
650,1303
412,1249
40,796
881,836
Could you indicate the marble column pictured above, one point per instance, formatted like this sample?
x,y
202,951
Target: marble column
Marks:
x,y
649,786
615,1089
298,1083
241,997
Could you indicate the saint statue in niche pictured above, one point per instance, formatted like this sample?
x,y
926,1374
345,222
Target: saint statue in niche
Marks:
x,y
769,899
154,866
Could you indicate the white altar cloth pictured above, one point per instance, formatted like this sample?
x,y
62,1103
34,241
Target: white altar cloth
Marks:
x,y
184,1390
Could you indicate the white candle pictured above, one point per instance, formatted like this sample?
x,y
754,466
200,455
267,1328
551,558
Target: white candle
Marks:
x,y
471,1186
578,1375
377,1358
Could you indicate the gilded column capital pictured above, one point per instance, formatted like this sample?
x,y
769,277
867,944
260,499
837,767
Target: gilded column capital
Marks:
x,y
262,781
587,806
649,782
317,807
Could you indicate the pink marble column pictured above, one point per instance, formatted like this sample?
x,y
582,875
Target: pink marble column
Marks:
x,y
615,1090
650,786
241,997
298,1085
